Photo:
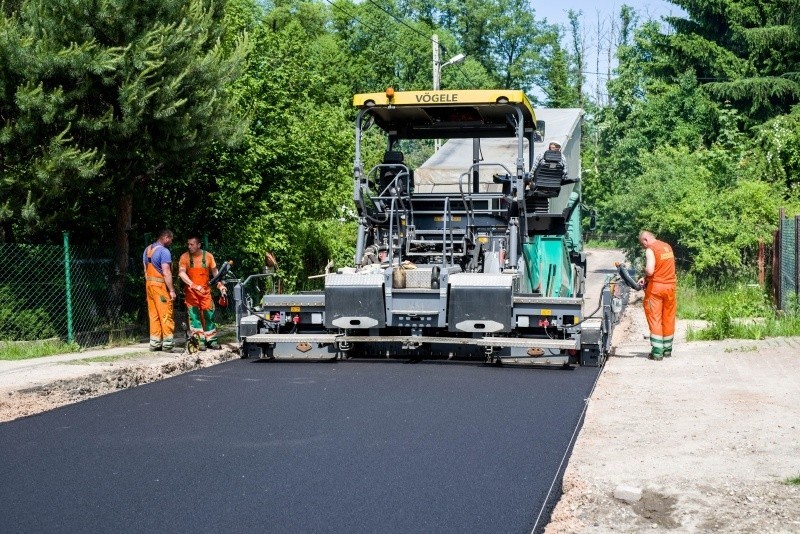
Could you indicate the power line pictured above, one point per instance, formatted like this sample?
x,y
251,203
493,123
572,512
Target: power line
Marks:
x,y
373,28
404,23
413,29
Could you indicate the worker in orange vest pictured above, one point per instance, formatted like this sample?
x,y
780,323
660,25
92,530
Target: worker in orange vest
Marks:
x,y
660,287
157,262
196,267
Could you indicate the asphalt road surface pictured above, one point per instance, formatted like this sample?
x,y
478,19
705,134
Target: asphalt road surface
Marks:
x,y
249,446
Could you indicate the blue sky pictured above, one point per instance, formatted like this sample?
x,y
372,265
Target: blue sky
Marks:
x,y
556,12
602,12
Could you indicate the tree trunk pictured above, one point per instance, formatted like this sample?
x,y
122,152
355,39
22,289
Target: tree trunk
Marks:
x,y
6,232
121,253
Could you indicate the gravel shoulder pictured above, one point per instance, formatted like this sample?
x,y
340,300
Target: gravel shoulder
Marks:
x,y
708,437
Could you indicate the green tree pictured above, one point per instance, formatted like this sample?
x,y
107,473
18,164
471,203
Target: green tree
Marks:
x,y
697,200
44,170
745,51
136,89
558,79
502,34
287,188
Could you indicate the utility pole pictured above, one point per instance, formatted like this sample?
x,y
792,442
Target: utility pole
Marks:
x,y
437,143
437,74
436,66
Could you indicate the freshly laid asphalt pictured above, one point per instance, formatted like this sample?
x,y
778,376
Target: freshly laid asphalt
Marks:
x,y
249,446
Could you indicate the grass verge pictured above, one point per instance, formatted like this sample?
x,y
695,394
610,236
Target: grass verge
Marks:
x,y
601,243
794,481
23,350
734,310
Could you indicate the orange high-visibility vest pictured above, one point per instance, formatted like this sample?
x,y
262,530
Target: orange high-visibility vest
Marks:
x,y
152,274
664,272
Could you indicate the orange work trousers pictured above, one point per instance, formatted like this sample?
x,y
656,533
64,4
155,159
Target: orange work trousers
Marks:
x,y
162,322
660,308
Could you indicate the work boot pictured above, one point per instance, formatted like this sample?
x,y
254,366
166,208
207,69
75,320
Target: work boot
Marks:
x,y
667,353
652,356
202,344
214,345
155,349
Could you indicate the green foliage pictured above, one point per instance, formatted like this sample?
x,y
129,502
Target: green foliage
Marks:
x,y
775,154
23,322
693,200
744,51
290,181
723,326
559,83
795,481
502,34
741,298
671,160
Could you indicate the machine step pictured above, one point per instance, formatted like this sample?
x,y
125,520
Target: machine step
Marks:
x,y
542,343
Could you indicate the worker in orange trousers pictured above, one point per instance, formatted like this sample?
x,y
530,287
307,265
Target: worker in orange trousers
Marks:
x,y
660,294
157,262
196,267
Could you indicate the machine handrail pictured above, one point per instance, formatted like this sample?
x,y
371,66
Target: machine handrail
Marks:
x,y
445,217
391,233
469,206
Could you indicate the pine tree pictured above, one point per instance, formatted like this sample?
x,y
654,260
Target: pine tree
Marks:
x,y
115,95
745,51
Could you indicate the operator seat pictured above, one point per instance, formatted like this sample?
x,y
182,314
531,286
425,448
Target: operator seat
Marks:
x,y
549,175
392,166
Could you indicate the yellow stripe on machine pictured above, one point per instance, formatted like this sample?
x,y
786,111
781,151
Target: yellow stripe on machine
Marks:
x,y
465,97
450,114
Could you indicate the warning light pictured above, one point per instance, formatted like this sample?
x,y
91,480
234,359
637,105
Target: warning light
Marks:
x,y
390,93
296,319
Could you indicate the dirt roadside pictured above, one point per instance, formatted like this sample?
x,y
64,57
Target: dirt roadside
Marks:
x,y
709,437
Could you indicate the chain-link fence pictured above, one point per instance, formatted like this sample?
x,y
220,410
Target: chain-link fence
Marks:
x,y
62,291
786,276
68,292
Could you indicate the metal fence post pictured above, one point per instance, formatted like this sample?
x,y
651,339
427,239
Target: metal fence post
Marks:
x,y
796,258
776,267
68,289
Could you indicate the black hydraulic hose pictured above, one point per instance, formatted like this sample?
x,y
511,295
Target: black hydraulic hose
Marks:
x,y
627,278
599,305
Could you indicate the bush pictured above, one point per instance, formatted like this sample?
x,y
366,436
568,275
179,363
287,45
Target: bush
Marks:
x,y
19,322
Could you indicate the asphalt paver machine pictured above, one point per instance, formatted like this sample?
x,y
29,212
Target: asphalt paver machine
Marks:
x,y
477,254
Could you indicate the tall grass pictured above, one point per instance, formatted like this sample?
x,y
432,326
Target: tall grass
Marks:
x,y
734,309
